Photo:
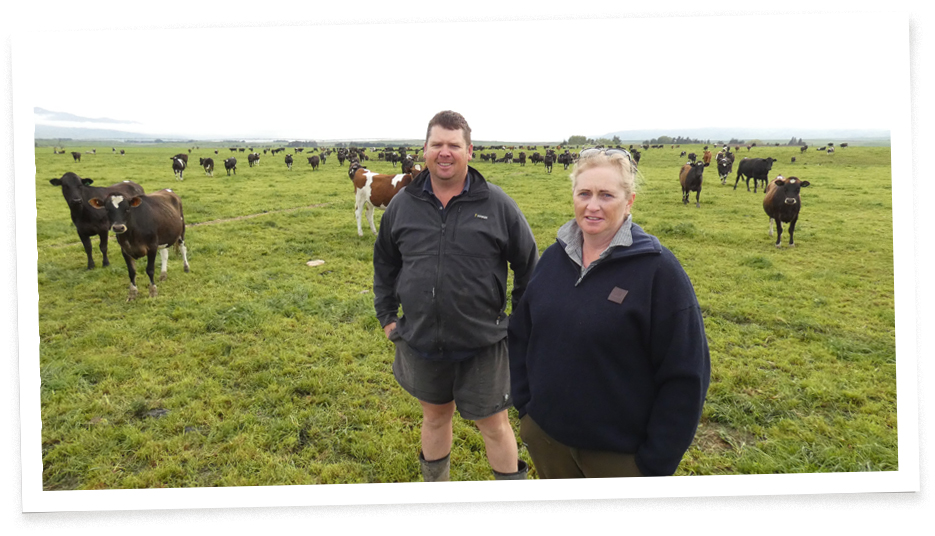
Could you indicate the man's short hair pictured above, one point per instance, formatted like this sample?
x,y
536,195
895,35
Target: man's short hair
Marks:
x,y
450,120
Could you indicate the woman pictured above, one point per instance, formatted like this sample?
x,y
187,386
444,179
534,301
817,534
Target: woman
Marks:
x,y
609,362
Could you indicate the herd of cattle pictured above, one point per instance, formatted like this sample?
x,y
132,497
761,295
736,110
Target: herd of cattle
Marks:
x,y
145,224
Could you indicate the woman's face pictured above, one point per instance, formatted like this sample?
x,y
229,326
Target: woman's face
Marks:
x,y
601,203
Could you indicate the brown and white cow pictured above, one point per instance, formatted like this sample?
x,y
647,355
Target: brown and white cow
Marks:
x,y
375,190
782,203
145,224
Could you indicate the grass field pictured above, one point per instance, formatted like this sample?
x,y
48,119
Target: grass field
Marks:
x,y
256,369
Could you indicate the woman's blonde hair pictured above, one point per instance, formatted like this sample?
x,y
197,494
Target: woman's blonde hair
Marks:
x,y
626,169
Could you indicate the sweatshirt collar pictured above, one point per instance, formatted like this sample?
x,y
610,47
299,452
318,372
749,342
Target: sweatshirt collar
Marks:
x,y
572,238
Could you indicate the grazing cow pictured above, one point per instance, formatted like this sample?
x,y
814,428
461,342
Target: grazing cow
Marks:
x,y
793,160
706,157
89,222
755,168
144,225
183,156
683,153
725,164
843,145
253,159
374,190
289,162
548,162
690,178
692,157
208,164
782,203
230,165
313,161
178,166
76,155
803,148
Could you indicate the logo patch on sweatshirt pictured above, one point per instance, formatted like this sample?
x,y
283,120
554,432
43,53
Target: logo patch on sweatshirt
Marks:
x,y
481,216
617,295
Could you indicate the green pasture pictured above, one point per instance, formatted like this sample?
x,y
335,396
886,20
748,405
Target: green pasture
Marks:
x,y
257,369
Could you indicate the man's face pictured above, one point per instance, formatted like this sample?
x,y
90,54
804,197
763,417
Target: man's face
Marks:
x,y
447,154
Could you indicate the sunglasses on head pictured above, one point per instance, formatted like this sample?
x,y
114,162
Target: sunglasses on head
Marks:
x,y
587,153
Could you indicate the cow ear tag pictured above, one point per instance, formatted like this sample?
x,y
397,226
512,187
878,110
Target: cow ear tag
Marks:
x,y
617,295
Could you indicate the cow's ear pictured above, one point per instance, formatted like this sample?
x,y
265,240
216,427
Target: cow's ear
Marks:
x,y
135,202
56,182
803,184
779,181
96,203
87,182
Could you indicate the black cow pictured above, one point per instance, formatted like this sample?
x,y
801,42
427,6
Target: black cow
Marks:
x,y
89,222
548,162
313,161
230,165
690,177
755,168
253,159
565,159
178,166
692,157
208,164
782,203
144,225
76,155
522,159
289,162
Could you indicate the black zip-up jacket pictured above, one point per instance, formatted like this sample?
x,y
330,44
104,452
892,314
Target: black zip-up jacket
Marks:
x,y
448,269
602,369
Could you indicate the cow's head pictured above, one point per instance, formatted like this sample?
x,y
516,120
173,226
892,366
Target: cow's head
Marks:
x,y
118,209
788,189
71,187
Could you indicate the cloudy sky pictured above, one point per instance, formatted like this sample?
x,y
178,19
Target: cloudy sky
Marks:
x,y
514,81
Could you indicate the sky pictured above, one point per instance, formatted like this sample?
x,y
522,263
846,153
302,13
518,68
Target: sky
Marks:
x,y
540,80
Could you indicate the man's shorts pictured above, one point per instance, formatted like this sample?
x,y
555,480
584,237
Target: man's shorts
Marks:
x,y
479,385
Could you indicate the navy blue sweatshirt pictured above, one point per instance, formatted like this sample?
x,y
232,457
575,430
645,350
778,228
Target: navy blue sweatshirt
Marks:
x,y
599,372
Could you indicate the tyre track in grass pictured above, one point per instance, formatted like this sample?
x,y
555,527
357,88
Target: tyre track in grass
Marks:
x,y
215,222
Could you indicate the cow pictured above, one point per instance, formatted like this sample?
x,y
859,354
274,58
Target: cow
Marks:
x,y
782,203
755,168
374,190
313,161
690,178
323,156
230,164
289,162
208,164
548,162
76,155
178,166
793,160
89,222
803,148
122,152
706,157
725,164
692,157
522,159
565,159
830,150
843,145
683,153
253,159
183,156
145,225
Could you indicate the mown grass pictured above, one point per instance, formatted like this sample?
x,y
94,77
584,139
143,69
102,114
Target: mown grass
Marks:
x,y
256,369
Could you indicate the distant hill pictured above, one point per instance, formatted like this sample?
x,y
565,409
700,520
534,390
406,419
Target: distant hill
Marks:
x,y
79,133
725,134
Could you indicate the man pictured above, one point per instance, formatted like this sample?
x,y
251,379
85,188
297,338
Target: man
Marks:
x,y
442,253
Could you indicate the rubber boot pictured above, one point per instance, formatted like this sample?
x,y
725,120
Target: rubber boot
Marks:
x,y
522,467
437,470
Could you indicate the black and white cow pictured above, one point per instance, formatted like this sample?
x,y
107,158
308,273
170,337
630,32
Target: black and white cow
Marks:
x,y
208,164
253,159
289,162
230,164
178,166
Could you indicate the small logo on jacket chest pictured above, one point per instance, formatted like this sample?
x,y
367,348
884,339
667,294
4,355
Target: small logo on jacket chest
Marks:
x,y
481,216
617,295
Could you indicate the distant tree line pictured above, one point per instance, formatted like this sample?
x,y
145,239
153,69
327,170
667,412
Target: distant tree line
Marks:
x,y
663,140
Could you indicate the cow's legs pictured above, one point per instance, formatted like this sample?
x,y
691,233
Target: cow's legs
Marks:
x,y
791,232
103,247
151,271
370,211
736,182
778,233
358,207
131,271
163,272
184,251
697,198
86,242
